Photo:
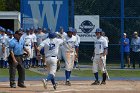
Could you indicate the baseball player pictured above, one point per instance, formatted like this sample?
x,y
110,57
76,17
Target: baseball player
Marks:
x,y
100,51
34,46
3,43
8,40
60,34
40,37
28,43
77,49
68,53
51,47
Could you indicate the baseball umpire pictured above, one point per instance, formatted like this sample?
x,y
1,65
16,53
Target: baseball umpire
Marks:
x,y
16,48
100,52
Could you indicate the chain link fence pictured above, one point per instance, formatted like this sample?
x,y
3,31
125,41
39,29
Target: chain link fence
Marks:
x,y
110,21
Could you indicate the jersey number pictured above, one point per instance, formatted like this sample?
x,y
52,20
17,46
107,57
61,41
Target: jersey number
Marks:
x,y
51,46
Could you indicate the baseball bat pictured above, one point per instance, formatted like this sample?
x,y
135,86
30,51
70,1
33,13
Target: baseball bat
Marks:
x,y
105,69
78,65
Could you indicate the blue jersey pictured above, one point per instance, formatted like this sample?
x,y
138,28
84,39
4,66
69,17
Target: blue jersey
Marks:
x,y
17,46
127,45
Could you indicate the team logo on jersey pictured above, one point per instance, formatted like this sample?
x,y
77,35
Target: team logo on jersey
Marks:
x,y
86,26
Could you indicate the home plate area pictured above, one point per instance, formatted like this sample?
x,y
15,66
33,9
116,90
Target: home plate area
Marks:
x,y
76,87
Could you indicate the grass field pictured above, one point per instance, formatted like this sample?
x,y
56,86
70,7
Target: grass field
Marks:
x,y
5,73
83,73
112,73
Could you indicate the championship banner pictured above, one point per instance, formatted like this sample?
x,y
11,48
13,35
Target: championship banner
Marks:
x,y
44,13
86,26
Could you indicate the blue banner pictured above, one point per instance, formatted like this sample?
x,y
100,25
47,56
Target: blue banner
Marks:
x,y
44,13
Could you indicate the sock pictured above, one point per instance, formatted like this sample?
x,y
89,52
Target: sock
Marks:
x,y
53,81
75,63
104,76
96,76
49,77
67,75
5,63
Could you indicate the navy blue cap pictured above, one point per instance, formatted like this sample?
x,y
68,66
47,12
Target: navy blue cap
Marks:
x,y
28,29
70,29
3,29
11,32
52,35
32,28
74,30
39,28
21,29
98,30
8,30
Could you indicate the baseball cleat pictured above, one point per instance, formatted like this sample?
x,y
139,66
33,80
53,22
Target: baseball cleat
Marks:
x,y
103,83
44,83
54,86
95,83
68,83
13,86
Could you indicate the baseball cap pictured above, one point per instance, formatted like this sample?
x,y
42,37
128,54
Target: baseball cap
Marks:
x,y
21,29
28,29
11,32
70,29
124,34
39,28
1,28
74,30
135,33
8,30
98,30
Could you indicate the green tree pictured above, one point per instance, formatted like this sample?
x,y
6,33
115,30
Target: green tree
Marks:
x,y
13,5
2,5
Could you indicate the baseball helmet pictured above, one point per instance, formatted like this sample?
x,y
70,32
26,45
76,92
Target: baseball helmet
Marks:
x,y
52,35
98,30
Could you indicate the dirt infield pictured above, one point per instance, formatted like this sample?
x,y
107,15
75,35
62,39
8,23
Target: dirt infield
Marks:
x,y
77,87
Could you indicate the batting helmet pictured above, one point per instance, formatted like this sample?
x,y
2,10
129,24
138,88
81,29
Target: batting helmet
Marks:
x,y
52,35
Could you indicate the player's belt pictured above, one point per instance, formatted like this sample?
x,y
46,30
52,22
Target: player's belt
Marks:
x,y
99,54
18,55
50,56
27,45
53,56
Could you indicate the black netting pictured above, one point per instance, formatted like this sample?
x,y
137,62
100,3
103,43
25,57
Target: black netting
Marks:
x,y
98,7
110,21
